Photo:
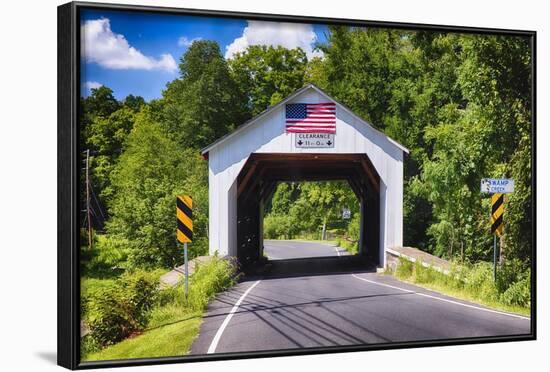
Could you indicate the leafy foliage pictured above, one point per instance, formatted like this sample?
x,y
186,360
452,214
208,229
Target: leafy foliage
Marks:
x,y
149,175
205,102
268,74
115,311
298,208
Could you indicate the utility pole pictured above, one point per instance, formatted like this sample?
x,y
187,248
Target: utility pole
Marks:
x,y
88,211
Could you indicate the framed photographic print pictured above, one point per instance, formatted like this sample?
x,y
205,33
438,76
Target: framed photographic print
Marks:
x,y
235,185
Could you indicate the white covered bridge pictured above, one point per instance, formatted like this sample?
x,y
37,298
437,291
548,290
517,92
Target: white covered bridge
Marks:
x,y
246,165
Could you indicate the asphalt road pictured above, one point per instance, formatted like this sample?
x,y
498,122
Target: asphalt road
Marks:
x,y
292,309
290,249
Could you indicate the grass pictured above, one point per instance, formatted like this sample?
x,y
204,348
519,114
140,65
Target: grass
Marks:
x,y
174,322
171,339
474,284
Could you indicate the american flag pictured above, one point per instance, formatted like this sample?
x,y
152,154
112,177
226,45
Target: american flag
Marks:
x,y
311,117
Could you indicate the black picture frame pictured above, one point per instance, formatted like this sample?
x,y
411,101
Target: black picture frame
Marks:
x,y
69,168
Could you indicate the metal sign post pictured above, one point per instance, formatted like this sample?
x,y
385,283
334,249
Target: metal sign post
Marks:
x,y
497,212
494,258
187,270
184,214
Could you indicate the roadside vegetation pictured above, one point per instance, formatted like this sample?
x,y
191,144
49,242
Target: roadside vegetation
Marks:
x,y
474,282
132,316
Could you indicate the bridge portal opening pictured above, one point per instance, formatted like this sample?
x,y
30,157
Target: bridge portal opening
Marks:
x,y
311,219
262,174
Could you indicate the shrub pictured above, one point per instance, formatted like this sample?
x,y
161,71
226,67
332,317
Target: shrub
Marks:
x,y
113,250
479,282
279,226
90,288
107,258
120,308
139,290
351,247
509,273
354,228
519,293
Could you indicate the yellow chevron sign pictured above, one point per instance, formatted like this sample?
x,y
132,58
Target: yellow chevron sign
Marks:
x,y
497,212
184,213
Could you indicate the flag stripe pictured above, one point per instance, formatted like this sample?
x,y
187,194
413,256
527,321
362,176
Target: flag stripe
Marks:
x,y
314,121
309,130
310,126
311,117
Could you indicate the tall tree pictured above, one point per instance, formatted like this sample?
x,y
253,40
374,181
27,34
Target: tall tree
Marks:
x,y
204,103
135,103
151,172
100,103
268,74
106,137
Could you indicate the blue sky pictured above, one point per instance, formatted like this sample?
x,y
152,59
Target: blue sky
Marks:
x,y
138,53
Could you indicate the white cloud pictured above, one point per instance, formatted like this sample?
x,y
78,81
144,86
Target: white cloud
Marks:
x,y
92,85
288,35
186,42
102,46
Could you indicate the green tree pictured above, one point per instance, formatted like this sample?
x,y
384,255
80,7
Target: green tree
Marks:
x,y
484,134
106,137
151,172
309,207
135,103
268,74
101,102
204,103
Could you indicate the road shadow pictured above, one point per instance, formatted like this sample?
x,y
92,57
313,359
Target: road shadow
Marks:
x,y
309,266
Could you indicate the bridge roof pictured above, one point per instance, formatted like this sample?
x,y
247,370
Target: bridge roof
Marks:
x,y
257,119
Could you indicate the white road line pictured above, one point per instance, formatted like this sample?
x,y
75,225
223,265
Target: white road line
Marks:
x,y
337,250
218,335
442,299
